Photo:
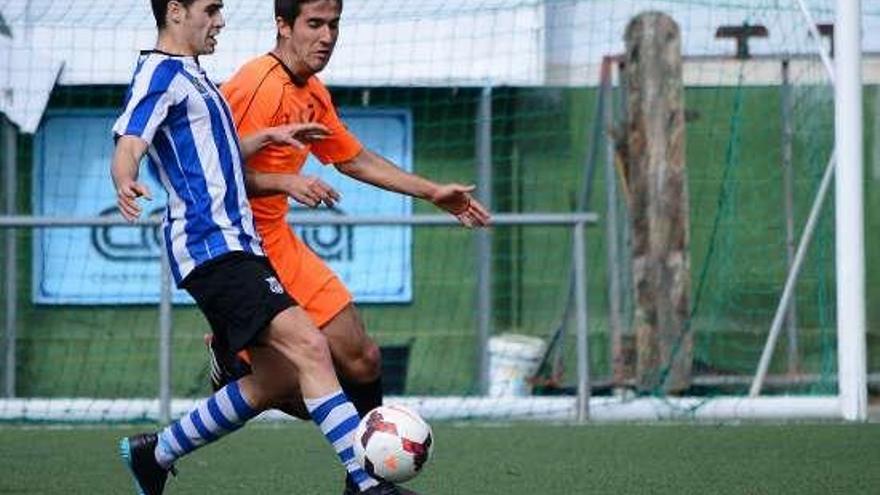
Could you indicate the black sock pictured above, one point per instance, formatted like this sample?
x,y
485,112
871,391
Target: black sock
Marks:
x,y
364,396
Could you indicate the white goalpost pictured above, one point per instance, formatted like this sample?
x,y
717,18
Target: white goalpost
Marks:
x,y
849,214
847,162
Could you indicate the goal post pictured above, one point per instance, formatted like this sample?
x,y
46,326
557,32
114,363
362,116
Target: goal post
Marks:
x,y
849,211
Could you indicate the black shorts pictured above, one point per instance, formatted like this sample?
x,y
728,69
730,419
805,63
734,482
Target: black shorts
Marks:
x,y
239,293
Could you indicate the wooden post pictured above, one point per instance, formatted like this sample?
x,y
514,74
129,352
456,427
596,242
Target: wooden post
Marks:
x,y
654,158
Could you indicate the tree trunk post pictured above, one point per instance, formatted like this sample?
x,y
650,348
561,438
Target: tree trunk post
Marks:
x,y
654,158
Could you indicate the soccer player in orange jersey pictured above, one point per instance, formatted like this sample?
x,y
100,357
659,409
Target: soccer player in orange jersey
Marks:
x,y
281,87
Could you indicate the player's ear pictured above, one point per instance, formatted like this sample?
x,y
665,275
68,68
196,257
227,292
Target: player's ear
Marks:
x,y
285,30
176,12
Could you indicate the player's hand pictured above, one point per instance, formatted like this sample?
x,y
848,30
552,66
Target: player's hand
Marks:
x,y
297,135
457,200
126,199
311,191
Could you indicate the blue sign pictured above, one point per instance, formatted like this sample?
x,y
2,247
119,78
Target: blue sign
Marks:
x,y
120,264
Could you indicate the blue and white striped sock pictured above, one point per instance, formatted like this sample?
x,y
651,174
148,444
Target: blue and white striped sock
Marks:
x,y
224,412
337,418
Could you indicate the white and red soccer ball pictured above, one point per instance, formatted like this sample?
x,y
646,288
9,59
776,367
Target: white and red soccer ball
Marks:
x,y
393,443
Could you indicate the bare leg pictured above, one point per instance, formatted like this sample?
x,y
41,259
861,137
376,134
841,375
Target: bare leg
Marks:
x,y
357,361
291,356
356,356
292,349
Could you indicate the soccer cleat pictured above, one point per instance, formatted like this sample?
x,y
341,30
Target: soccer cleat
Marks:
x,y
137,453
350,487
226,367
383,488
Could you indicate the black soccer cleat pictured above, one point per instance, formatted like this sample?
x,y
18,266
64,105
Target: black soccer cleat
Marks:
x,y
226,367
350,488
383,488
137,454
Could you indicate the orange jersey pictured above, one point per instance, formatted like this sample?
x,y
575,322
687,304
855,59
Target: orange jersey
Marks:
x,y
264,93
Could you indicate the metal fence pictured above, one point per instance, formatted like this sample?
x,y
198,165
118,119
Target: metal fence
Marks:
x,y
577,222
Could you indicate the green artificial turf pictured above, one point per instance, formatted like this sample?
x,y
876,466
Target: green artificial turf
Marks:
x,y
477,459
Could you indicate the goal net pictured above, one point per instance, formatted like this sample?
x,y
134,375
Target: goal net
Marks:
x,y
524,98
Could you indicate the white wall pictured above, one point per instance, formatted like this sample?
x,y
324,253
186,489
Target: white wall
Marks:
x,y
389,42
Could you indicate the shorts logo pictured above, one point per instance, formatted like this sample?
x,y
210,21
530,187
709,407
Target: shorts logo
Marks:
x,y
275,285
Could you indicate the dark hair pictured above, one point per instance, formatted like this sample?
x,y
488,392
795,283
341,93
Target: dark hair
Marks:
x,y
160,10
288,10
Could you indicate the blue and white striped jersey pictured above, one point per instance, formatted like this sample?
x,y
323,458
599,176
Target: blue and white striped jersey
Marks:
x,y
194,151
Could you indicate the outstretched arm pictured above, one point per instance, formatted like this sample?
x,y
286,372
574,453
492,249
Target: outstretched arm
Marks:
x,y
289,134
308,190
454,198
124,170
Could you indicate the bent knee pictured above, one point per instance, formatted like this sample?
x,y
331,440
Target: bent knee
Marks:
x,y
365,366
308,348
300,341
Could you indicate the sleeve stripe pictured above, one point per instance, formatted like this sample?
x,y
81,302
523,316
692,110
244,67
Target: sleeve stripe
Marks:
x,y
146,105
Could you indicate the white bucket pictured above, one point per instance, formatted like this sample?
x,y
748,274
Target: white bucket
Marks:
x,y
513,359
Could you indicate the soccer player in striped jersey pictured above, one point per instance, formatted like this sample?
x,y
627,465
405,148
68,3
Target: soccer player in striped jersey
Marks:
x,y
177,117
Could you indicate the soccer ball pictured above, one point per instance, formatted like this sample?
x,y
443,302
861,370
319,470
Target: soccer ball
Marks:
x,y
393,443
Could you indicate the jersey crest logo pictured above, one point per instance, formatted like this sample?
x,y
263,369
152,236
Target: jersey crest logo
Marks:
x,y
275,285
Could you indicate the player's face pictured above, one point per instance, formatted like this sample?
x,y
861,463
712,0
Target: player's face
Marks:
x,y
202,23
314,36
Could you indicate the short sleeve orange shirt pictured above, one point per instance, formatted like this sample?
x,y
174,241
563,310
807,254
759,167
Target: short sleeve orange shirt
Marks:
x,y
264,93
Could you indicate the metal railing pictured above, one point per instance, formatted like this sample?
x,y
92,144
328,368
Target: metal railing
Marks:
x,y
575,221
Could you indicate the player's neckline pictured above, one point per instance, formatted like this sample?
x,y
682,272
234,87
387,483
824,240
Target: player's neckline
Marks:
x,y
295,79
194,58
